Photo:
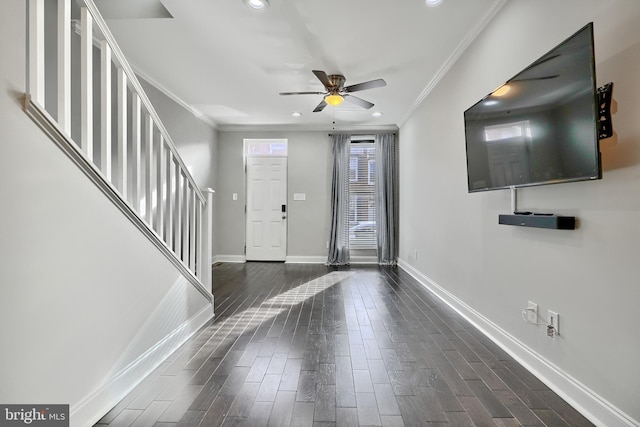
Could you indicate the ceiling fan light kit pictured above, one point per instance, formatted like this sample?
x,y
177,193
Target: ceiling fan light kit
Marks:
x,y
502,90
336,91
333,99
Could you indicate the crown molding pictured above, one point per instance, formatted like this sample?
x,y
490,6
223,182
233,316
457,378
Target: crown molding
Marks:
x,y
306,128
175,98
471,35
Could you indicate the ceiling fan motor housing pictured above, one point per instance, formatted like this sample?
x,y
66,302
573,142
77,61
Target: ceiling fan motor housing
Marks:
x,y
337,81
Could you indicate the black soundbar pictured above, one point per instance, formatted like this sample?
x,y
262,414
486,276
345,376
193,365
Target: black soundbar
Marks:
x,y
539,221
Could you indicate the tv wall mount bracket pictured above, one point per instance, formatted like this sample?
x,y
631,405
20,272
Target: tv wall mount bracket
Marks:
x,y
605,127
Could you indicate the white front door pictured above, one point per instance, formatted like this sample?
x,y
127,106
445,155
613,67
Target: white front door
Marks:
x,y
509,162
266,208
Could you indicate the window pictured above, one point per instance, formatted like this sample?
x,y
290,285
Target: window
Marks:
x,y
353,169
362,195
265,147
371,172
507,131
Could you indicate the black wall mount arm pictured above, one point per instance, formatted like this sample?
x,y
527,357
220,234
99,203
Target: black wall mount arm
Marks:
x,y
605,126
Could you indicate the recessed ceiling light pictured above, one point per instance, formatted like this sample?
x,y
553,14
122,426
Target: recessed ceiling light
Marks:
x,y
296,114
433,3
257,4
377,114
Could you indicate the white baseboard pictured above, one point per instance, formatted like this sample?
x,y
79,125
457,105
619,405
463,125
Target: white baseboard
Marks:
x,y
323,260
297,259
230,258
306,259
587,402
89,411
363,259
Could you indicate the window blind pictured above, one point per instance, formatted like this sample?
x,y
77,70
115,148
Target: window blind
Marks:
x,y
362,196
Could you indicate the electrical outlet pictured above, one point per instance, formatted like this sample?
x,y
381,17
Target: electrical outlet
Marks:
x,y
554,320
532,312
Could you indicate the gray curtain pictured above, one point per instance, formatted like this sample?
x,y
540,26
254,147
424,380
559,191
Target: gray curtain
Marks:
x,y
339,237
386,206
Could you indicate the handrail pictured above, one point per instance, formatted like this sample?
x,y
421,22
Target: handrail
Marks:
x,y
133,79
55,133
175,211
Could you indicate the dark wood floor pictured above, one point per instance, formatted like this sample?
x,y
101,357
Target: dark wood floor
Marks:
x,y
309,345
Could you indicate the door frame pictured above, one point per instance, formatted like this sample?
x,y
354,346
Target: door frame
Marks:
x,y
277,147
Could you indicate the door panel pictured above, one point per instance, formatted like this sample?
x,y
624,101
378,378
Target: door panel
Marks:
x,y
266,223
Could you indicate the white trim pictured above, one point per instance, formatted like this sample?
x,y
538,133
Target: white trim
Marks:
x,y
64,65
586,401
93,407
293,259
229,258
36,56
453,58
363,259
306,259
51,128
307,127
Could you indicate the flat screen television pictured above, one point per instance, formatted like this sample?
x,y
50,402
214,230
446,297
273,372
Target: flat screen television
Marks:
x,y
541,126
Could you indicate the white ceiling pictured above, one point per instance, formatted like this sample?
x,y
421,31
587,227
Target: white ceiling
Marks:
x,y
228,62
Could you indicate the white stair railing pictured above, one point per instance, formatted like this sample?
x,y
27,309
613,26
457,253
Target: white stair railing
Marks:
x,y
123,146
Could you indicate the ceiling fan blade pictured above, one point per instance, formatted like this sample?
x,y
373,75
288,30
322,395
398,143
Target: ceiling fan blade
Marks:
x,y
322,76
527,79
358,101
365,85
302,93
320,106
542,61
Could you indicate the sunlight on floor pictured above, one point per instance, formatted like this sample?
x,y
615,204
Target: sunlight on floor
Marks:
x,y
269,309
301,293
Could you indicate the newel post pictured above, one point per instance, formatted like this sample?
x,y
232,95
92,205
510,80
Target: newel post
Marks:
x,y
206,238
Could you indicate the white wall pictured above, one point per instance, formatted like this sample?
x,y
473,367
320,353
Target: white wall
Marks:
x,y
309,172
490,271
87,303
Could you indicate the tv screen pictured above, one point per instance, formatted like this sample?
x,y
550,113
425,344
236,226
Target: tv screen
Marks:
x,y
541,126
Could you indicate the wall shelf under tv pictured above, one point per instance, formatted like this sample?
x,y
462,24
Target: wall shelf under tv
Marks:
x,y
539,221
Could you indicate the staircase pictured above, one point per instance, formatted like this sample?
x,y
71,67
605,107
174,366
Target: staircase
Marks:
x,y
117,137
85,97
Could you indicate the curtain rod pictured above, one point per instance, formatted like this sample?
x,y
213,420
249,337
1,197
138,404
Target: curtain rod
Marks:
x,y
363,134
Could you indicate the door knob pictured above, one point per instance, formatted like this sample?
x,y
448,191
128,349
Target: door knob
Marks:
x,y
284,217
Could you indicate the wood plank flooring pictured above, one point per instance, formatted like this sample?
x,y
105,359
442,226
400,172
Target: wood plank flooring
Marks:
x,y
309,345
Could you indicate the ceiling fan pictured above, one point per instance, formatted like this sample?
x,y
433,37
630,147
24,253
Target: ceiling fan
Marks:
x,y
335,91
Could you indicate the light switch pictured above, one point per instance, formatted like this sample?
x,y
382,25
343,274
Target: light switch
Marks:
x,y
299,196
235,196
